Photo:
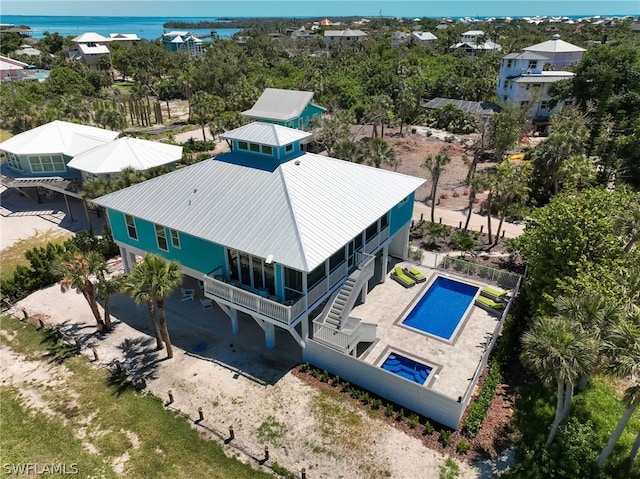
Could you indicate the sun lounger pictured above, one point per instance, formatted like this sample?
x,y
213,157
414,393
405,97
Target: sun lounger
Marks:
x,y
416,275
489,304
398,275
495,294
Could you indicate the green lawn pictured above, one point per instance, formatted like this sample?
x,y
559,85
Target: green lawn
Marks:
x,y
100,424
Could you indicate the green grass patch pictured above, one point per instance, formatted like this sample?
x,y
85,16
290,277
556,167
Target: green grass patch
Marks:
x,y
271,431
14,255
339,422
93,424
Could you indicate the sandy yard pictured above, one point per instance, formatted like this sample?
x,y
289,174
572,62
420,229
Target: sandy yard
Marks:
x,y
217,379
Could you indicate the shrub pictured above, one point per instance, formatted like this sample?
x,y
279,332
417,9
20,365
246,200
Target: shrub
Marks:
x,y
376,404
428,429
366,399
324,376
445,437
400,415
463,446
449,470
389,410
478,411
414,420
304,367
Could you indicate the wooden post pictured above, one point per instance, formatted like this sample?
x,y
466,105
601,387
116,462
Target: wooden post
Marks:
x,y
200,414
440,221
303,473
232,434
170,393
481,228
95,353
460,225
266,453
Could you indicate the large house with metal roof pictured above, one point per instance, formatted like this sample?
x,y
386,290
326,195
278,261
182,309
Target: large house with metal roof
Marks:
x,y
273,232
331,37
176,41
92,50
524,78
291,108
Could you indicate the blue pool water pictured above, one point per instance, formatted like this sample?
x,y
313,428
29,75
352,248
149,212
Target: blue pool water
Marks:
x,y
407,368
441,308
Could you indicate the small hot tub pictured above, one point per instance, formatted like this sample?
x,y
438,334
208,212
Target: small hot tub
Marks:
x,y
407,368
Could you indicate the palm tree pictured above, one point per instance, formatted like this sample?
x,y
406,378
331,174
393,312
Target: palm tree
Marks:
x,y
76,271
381,153
137,286
349,151
157,278
626,342
436,166
595,314
105,289
511,184
557,352
475,184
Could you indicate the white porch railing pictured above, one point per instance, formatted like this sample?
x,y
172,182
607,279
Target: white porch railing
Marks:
x,y
253,302
375,242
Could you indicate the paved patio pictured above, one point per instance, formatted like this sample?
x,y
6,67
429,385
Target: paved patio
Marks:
x,y
454,361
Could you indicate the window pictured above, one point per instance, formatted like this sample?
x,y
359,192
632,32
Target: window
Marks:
x,y
533,64
371,231
46,163
288,148
544,105
267,150
161,236
13,161
175,238
254,147
315,276
528,86
509,63
242,145
404,200
292,283
131,227
524,103
336,259
384,221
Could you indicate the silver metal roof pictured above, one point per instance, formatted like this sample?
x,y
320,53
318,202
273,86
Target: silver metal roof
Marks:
x,y
266,134
469,107
300,212
278,104
525,56
537,78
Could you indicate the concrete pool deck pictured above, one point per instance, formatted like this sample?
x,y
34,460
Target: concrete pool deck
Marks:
x,y
454,362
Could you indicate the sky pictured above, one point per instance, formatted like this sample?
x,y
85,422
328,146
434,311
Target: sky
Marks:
x,y
313,8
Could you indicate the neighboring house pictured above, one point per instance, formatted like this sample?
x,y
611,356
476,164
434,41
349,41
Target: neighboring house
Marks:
x,y
398,38
332,37
46,150
272,232
11,69
524,78
416,38
91,49
301,32
560,54
126,38
183,42
28,51
475,42
110,158
635,27
473,108
291,108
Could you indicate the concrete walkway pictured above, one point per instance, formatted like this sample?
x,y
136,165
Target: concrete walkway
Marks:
x,y
454,217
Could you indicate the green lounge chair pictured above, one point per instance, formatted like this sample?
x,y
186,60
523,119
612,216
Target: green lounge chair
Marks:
x,y
398,275
416,275
485,303
495,294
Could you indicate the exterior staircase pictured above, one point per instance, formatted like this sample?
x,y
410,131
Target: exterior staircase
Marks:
x,y
334,327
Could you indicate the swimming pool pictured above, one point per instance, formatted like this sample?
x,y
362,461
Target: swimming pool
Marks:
x,y
407,368
441,308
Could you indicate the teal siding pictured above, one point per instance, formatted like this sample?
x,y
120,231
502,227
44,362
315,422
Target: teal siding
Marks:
x,y
194,253
279,280
401,214
310,112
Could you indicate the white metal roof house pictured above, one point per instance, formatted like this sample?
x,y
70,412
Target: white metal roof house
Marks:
x,y
91,48
105,160
474,42
349,36
45,151
11,69
292,108
523,79
272,231
560,54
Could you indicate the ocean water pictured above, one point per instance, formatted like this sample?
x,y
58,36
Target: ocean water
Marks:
x,y
149,28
